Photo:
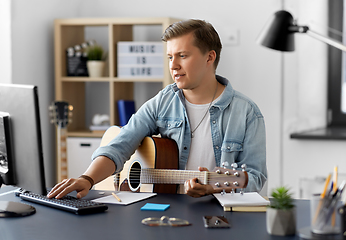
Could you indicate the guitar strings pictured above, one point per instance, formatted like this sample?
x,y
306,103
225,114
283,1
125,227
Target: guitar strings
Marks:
x,y
150,175
176,172
158,172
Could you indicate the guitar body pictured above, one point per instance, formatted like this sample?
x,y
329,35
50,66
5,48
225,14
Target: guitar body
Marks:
x,y
154,152
154,168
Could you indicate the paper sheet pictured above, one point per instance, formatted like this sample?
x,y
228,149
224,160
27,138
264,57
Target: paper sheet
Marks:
x,y
126,198
238,200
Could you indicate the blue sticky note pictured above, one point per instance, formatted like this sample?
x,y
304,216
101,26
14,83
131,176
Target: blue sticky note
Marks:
x,y
155,207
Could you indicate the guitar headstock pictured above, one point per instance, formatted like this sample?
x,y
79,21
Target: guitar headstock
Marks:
x,y
61,113
227,179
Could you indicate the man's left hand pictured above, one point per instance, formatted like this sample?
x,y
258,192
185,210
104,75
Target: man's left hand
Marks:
x,y
194,189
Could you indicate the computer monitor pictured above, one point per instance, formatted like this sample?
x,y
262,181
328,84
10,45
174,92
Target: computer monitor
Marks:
x,y
23,164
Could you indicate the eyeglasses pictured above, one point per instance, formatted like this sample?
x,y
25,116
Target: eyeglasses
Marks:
x,y
165,221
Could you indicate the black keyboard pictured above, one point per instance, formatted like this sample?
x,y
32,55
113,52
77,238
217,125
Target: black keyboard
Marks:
x,y
67,203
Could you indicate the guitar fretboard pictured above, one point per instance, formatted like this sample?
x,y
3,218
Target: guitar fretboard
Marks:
x,y
168,176
62,154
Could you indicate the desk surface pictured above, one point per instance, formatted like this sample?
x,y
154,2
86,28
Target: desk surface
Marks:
x,y
124,222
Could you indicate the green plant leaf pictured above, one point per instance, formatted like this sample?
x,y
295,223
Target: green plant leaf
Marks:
x,y
95,53
282,198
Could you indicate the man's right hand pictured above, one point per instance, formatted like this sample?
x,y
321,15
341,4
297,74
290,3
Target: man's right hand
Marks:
x,y
99,169
80,185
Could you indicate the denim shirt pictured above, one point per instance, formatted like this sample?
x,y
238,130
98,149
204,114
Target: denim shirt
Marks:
x,y
237,127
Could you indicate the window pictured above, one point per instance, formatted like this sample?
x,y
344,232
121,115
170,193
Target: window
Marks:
x,y
337,68
336,126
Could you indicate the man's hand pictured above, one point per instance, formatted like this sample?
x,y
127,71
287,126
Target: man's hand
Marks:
x,y
194,189
99,169
80,185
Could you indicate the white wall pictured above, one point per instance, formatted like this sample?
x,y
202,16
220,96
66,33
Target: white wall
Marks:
x,y
5,41
252,69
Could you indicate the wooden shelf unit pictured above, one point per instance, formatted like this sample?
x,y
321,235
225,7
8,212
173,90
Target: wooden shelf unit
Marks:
x,y
68,33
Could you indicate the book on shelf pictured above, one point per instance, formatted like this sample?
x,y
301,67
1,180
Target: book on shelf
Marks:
x,y
125,110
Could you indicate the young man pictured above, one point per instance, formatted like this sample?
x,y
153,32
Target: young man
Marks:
x,y
212,124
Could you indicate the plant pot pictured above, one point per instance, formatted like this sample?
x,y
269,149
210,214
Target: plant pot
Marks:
x,y
281,222
95,68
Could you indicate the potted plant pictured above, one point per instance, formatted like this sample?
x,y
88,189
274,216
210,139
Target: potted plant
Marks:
x,y
281,213
95,63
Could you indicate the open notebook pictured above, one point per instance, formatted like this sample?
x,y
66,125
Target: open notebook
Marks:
x,y
127,197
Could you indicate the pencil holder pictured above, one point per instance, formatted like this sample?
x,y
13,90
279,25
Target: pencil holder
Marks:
x,y
323,216
342,212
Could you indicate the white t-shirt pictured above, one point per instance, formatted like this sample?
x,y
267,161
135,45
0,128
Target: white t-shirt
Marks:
x,y
201,151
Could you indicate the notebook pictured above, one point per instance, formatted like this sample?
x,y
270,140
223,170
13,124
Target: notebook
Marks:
x,y
249,200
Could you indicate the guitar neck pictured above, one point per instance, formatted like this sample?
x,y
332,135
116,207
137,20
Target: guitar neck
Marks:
x,y
168,176
61,154
60,113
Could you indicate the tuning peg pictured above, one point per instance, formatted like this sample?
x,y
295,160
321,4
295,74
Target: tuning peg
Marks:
x,y
234,166
225,164
217,184
218,171
235,184
243,168
226,183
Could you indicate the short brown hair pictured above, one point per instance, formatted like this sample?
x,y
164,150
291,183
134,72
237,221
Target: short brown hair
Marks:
x,y
206,37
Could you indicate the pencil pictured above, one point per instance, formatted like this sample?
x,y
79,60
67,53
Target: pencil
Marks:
x,y
326,186
335,178
323,194
116,197
335,187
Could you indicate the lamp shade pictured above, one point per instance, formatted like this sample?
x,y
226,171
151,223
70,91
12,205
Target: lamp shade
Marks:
x,y
277,34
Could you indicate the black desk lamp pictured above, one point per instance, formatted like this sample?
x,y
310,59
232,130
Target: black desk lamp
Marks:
x,y
279,33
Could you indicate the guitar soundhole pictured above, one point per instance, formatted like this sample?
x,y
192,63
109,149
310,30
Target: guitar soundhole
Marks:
x,y
134,175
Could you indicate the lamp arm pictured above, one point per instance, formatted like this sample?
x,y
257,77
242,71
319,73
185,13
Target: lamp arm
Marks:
x,y
327,40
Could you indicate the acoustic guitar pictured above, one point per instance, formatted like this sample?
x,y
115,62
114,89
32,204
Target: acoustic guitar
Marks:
x,y
60,113
154,168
